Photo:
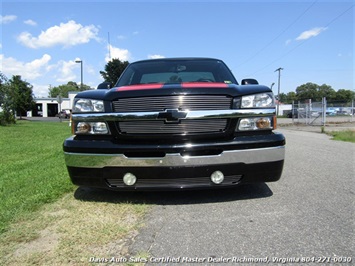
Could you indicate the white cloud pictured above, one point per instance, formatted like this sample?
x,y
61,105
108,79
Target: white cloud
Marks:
x,y
7,19
121,37
121,54
30,22
155,56
41,74
40,90
29,71
310,33
66,34
66,71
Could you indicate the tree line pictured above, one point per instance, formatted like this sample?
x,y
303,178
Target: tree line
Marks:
x,y
16,95
316,92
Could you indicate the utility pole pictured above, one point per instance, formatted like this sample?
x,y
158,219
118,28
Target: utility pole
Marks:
x,y
278,91
81,72
109,45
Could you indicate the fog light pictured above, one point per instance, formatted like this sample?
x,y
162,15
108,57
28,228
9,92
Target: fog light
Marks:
x,y
129,179
217,177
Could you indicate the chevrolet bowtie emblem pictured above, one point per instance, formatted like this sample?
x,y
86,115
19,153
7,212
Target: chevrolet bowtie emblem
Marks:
x,y
172,115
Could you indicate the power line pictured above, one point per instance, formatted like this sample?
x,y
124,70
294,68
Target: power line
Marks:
x,y
279,35
301,43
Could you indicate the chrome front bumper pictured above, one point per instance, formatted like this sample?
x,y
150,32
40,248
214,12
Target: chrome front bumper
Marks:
x,y
246,156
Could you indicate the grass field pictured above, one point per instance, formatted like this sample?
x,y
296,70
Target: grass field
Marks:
x,y
347,135
32,168
42,221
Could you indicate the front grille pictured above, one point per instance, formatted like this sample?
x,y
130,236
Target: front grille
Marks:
x,y
181,102
184,127
175,182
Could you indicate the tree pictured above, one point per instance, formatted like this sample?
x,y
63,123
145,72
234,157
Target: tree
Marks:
x,y
291,97
288,98
325,91
113,70
316,93
6,103
307,91
64,90
22,95
3,84
282,98
345,95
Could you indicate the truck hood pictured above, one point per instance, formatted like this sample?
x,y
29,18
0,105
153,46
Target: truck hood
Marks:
x,y
161,89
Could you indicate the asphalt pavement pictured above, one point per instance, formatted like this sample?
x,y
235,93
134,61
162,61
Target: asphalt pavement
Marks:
x,y
307,216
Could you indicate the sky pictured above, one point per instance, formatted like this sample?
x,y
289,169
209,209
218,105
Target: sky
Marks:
x,y
311,40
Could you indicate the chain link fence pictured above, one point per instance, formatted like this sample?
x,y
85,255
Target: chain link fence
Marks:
x,y
322,113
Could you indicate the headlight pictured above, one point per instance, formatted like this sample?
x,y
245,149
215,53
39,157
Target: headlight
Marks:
x,y
258,101
88,105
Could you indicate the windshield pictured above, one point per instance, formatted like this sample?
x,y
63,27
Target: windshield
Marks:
x,y
176,71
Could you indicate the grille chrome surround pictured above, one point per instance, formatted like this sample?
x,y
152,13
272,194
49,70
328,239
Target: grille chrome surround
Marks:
x,y
184,127
181,102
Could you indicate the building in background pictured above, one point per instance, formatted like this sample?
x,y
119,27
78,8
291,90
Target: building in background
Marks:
x,y
50,107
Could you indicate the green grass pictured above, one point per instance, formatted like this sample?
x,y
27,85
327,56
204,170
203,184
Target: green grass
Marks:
x,y
347,135
41,223
32,168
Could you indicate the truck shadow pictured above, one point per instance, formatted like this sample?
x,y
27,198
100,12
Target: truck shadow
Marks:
x,y
242,192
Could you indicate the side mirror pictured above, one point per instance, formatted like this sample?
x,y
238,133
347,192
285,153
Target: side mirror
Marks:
x,y
104,86
249,81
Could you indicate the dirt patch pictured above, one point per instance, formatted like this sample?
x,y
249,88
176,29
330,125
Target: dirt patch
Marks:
x,y
47,241
72,231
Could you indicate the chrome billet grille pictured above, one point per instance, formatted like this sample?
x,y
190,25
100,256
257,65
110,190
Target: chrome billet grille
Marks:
x,y
184,127
181,102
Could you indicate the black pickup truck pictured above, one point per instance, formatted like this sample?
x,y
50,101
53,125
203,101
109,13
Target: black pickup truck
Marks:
x,y
177,123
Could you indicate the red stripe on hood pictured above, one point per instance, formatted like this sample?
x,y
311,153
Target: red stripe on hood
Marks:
x,y
204,85
141,87
184,85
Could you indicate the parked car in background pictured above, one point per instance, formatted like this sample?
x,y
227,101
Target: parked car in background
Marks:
x,y
63,114
342,112
292,113
331,111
